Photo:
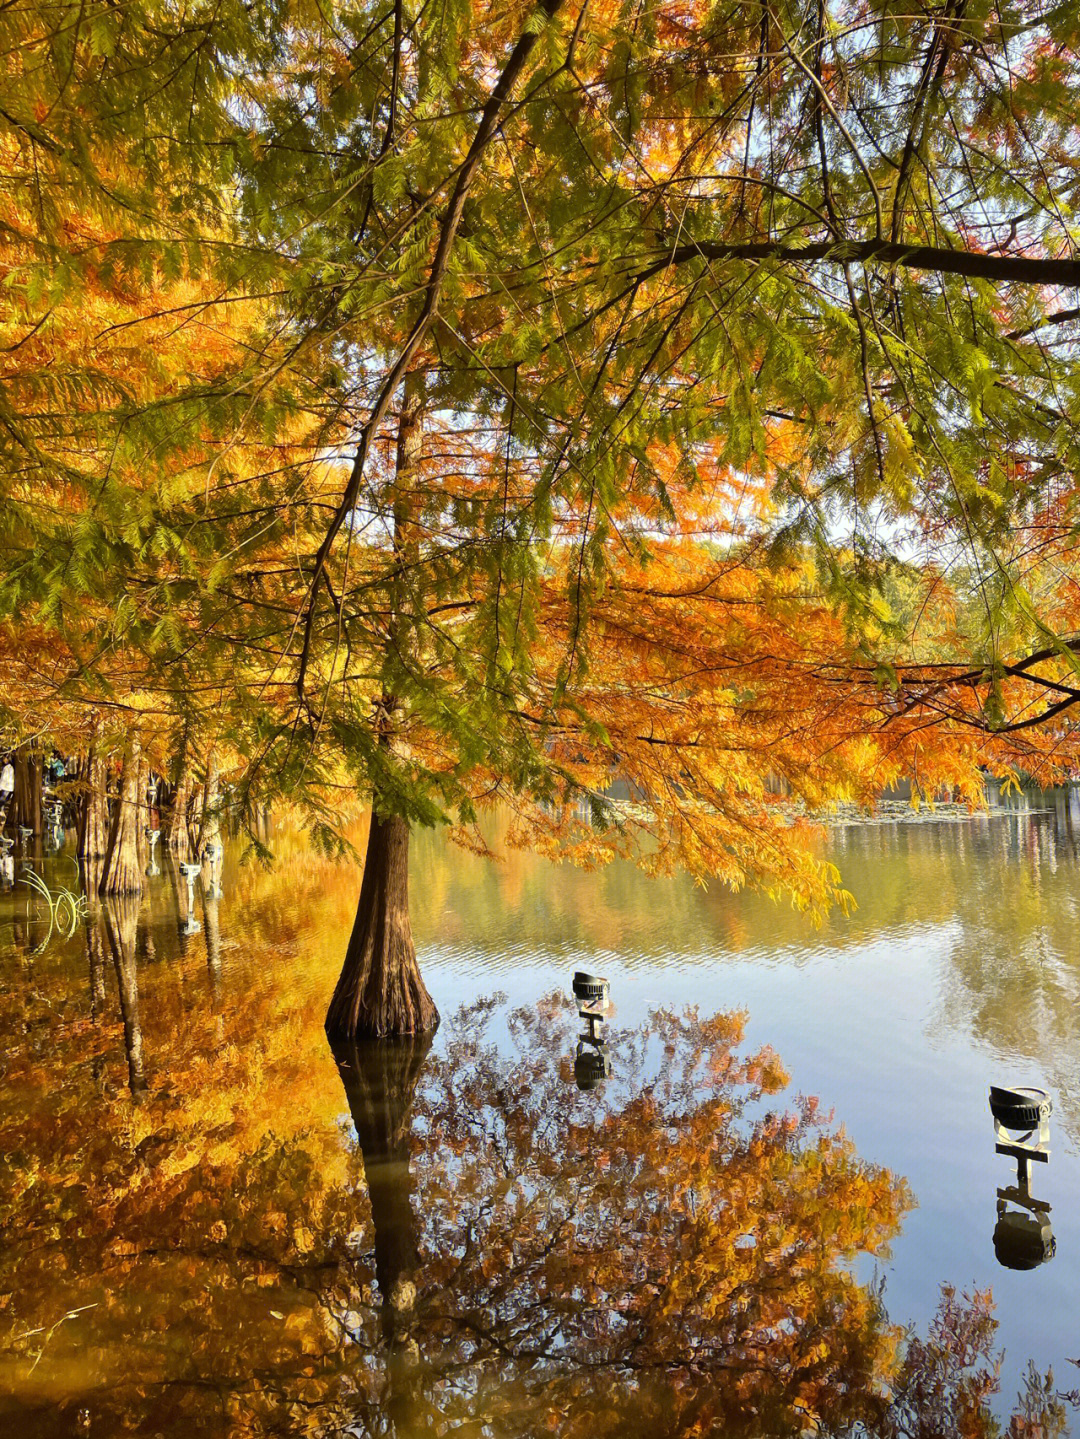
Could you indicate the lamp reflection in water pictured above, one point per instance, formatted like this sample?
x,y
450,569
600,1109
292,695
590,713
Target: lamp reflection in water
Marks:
x,y
189,871
1023,1238
54,820
7,863
214,855
592,1063
152,837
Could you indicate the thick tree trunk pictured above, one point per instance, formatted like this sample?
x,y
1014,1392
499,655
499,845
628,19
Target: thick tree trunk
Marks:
x,y
142,816
93,817
26,801
122,873
380,991
121,925
380,1078
176,828
210,824
36,767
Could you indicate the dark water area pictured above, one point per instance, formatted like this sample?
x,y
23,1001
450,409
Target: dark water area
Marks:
x,y
776,1216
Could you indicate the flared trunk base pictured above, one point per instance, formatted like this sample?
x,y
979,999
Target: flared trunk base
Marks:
x,y
380,991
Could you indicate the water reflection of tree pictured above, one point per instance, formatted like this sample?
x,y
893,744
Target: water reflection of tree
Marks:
x,y
997,897
1013,975
667,1256
121,929
671,1261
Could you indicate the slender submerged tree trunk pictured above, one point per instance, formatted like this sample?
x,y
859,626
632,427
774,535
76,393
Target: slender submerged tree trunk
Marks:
x,y
142,815
15,804
178,887
380,991
36,767
93,815
122,873
212,935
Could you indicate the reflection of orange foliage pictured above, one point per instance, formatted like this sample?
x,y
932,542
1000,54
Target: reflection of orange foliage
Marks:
x,y
678,1239
670,1254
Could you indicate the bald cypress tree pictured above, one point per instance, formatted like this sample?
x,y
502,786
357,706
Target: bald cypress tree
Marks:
x,y
715,320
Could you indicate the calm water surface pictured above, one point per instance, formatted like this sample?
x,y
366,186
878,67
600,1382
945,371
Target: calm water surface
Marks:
x,y
214,1225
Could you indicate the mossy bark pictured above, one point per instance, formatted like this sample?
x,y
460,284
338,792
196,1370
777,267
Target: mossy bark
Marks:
x,y
122,873
380,991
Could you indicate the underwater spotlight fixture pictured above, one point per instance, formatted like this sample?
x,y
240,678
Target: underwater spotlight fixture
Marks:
x,y
1023,1237
592,1063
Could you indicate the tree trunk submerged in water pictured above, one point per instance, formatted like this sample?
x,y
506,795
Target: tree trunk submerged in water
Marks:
x,y
122,873
380,991
175,828
210,822
36,770
25,809
93,819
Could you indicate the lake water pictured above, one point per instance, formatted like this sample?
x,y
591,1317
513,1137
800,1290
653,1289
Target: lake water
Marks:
x,y
213,1225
